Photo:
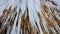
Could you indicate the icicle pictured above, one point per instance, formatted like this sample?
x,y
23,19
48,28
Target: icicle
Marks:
x,y
36,23
14,26
8,30
19,24
30,8
53,30
44,23
32,15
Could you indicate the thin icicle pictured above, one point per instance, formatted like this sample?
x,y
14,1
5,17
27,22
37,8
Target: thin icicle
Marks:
x,y
44,23
53,30
14,26
8,30
19,24
37,20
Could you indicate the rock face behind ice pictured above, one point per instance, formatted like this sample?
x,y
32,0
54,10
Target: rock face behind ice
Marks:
x,y
1,13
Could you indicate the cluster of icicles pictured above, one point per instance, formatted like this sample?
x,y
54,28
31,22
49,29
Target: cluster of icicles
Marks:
x,y
29,16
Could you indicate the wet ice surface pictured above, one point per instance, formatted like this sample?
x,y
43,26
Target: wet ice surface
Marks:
x,y
1,13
